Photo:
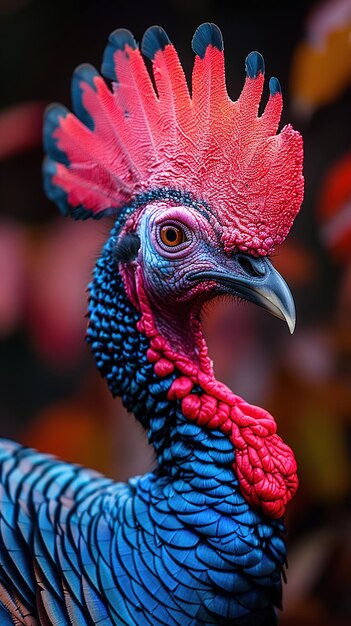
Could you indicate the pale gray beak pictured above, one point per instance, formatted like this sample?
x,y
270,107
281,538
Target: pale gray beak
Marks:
x,y
254,279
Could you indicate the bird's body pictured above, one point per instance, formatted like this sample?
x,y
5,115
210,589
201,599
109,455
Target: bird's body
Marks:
x,y
81,549
185,533
199,540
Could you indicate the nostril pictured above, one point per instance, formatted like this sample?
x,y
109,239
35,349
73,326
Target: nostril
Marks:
x,y
251,265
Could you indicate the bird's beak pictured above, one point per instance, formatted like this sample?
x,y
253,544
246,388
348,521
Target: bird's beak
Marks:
x,y
256,280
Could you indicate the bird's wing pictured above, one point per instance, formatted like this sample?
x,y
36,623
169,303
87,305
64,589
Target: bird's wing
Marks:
x,y
49,510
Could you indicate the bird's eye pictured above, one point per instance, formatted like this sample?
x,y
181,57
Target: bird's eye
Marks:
x,y
172,235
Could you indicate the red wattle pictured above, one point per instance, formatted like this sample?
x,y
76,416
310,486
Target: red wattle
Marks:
x,y
264,464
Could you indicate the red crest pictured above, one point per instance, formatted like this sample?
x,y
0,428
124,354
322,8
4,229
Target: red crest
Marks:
x,y
132,139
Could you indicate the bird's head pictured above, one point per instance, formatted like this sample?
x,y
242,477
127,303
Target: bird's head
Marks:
x,y
177,246
203,187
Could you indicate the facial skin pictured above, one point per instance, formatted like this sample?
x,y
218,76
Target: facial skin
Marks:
x,y
167,266
184,264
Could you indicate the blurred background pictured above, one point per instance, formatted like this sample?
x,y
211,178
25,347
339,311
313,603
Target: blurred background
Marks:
x,y
51,396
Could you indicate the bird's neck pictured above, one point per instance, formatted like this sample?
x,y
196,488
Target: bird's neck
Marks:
x,y
176,397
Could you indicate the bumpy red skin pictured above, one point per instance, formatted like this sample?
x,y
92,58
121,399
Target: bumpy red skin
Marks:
x,y
264,464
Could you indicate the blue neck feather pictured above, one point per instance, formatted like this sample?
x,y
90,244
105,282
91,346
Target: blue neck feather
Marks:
x,y
233,554
120,353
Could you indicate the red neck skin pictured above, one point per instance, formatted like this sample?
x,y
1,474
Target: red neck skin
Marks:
x,y
264,464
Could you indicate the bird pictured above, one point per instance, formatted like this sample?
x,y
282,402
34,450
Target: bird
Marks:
x,y
201,189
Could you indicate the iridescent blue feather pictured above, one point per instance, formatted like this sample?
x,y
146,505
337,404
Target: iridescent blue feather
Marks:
x,y
174,547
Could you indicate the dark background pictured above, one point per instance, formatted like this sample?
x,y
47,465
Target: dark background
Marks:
x,y
51,397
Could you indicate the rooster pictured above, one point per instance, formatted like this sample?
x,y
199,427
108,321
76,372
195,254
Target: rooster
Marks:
x,y
201,189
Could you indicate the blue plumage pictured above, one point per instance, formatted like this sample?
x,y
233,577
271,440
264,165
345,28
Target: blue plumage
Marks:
x,y
187,544
177,546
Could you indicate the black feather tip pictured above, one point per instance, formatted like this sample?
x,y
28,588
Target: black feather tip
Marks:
x,y
85,73
155,39
118,40
53,114
207,34
274,86
127,248
254,64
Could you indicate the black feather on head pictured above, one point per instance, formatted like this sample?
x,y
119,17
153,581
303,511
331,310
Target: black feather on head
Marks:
x,y
127,248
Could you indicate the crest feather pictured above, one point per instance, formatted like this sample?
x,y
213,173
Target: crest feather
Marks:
x,y
124,142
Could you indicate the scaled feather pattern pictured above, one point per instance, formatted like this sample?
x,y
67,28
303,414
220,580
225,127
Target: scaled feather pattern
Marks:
x,y
202,189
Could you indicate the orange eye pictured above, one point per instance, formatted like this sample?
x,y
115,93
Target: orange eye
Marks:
x,y
172,235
